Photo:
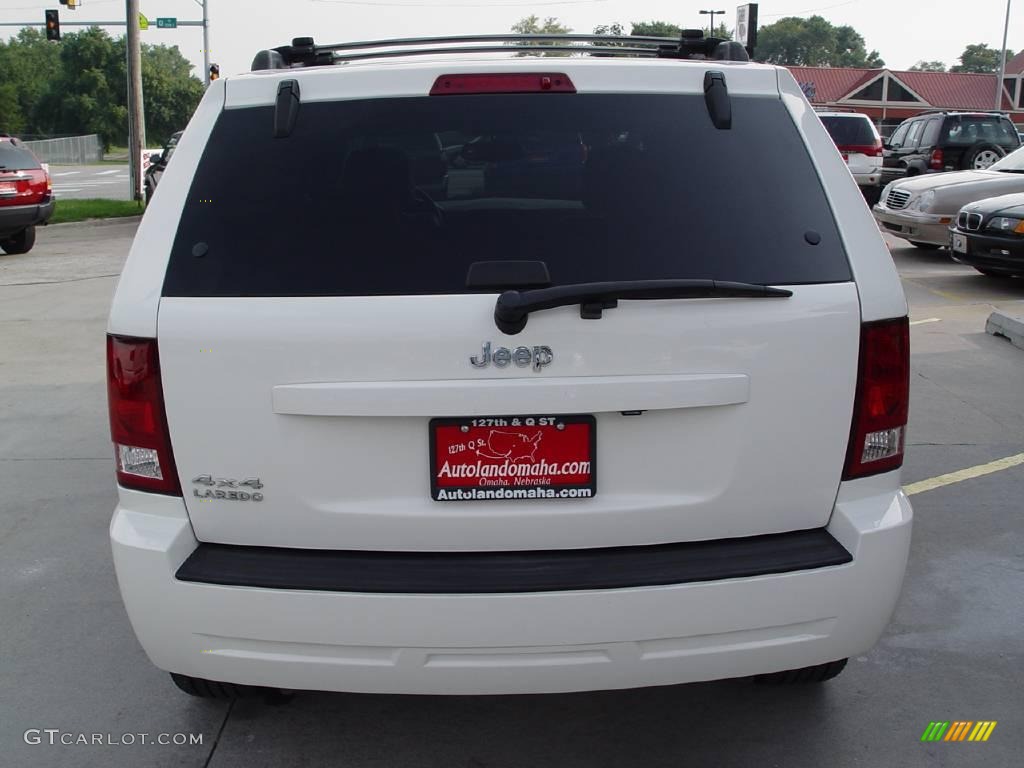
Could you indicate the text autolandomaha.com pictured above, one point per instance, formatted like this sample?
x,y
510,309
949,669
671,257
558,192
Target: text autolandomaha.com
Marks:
x,y
478,494
540,469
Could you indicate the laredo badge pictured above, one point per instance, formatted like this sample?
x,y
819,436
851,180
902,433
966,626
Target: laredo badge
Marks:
x,y
214,488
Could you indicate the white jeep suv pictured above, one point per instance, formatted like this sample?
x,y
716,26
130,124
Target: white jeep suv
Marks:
x,y
467,374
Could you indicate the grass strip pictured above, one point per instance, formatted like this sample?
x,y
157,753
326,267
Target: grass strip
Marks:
x,y
94,208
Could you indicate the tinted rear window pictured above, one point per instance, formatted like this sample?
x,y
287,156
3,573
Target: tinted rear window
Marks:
x,y
14,158
401,196
850,131
970,129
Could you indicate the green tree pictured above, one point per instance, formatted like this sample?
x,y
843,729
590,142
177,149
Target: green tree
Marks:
x,y
171,94
88,94
532,25
655,29
79,86
813,42
979,58
11,118
27,65
851,51
722,32
929,66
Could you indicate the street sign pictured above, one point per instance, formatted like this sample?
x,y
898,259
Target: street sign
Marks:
x,y
143,22
166,23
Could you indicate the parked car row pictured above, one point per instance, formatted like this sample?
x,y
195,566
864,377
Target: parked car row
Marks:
x,y
951,180
975,213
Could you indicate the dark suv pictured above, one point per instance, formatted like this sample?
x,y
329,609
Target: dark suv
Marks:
x,y
948,141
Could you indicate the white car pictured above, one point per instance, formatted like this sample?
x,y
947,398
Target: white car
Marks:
x,y
606,415
857,140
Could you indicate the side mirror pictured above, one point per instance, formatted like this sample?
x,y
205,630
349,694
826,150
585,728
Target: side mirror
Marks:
x,y
156,159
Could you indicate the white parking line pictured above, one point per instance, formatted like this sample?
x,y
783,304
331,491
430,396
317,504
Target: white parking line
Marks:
x,y
107,173
929,320
67,173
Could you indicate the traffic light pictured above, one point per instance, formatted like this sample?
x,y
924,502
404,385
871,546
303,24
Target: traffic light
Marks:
x,y
214,72
52,25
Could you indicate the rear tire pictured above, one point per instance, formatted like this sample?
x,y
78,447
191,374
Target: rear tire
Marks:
x,y
211,689
926,246
21,242
816,674
982,155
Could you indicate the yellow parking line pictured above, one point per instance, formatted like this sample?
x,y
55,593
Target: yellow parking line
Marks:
x,y
964,474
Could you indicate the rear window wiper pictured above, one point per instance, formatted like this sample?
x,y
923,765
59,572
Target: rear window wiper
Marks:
x,y
513,308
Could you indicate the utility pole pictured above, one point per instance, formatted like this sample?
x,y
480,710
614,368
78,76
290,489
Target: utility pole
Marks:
x,y
206,44
712,14
1002,60
136,121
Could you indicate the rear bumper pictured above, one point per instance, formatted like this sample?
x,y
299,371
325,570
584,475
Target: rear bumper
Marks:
x,y
867,178
916,227
510,643
14,218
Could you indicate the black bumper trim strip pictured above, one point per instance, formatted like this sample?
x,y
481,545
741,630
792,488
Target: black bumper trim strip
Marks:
x,y
511,572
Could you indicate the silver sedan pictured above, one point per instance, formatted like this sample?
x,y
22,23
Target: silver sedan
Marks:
x,y
920,209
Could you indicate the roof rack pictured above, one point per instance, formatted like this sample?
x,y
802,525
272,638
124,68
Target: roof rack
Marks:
x,y
961,112
304,52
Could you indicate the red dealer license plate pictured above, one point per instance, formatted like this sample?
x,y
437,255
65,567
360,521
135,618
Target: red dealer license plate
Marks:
x,y
513,458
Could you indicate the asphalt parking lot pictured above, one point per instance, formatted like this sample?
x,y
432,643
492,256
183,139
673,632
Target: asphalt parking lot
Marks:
x,y
69,660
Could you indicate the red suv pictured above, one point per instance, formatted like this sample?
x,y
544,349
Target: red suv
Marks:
x,y
26,196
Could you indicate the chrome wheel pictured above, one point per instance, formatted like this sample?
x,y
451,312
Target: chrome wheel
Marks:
x,y
984,159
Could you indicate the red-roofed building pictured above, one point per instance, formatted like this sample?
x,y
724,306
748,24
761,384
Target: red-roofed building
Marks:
x,y
890,96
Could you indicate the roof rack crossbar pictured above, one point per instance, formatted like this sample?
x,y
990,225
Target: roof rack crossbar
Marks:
x,y
536,38
592,49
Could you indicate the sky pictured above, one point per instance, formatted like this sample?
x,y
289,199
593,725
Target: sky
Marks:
x,y
903,31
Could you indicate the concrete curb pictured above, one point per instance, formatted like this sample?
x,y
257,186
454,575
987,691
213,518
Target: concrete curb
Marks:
x,y
109,220
1010,327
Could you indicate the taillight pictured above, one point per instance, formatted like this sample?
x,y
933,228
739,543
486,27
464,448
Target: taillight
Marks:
x,y
879,150
871,150
883,397
938,161
138,421
503,82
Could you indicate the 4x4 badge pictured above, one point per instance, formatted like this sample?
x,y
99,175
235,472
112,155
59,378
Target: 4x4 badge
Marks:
x,y
215,484
523,357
